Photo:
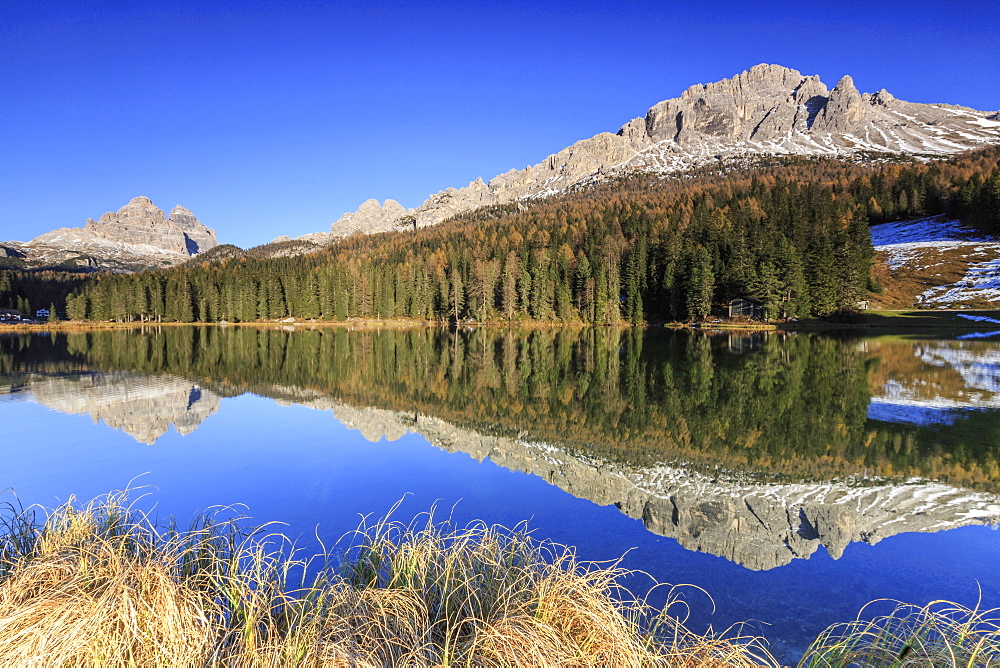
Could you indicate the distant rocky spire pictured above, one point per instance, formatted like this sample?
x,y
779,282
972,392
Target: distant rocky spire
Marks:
x,y
844,111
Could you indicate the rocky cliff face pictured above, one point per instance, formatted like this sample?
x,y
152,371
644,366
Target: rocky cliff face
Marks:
x,y
767,110
137,235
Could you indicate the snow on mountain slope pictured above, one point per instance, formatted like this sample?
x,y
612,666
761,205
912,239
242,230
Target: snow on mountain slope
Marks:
x,y
768,110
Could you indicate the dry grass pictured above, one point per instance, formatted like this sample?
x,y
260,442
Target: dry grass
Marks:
x,y
937,635
102,583
85,588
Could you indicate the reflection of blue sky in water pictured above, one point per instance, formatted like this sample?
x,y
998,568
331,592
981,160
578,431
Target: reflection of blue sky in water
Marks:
x,y
978,318
979,335
915,413
307,469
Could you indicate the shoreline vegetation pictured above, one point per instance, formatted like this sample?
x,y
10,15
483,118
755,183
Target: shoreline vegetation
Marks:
x,y
905,319
104,583
793,235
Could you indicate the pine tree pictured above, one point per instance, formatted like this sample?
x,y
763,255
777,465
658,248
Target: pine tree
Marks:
x,y
456,295
508,297
701,285
766,286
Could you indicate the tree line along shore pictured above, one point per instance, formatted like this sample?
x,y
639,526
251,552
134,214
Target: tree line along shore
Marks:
x,y
792,234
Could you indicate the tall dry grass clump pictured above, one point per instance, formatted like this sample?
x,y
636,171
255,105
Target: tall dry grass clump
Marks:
x,y
940,634
91,585
104,584
493,596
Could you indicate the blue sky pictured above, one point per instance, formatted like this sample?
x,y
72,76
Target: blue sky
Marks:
x,y
270,118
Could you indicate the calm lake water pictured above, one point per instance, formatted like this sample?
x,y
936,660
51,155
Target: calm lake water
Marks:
x,y
792,477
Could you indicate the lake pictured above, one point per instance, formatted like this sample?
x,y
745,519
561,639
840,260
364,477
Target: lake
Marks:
x,y
792,477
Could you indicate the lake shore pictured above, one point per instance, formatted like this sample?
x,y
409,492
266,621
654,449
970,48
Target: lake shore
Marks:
x,y
102,582
903,321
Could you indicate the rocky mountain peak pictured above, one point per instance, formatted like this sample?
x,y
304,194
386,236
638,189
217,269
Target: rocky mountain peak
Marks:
x,y
198,238
846,84
142,222
882,98
136,236
372,216
844,110
766,110
141,201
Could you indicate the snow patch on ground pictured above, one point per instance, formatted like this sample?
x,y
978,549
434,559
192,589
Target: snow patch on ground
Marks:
x,y
906,255
981,282
923,231
905,242
985,123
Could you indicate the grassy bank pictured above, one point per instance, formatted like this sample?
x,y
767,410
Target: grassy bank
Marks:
x,y
102,584
89,325
912,321
949,319
903,321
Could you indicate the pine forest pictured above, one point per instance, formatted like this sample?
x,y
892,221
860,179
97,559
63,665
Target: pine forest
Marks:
x,y
792,233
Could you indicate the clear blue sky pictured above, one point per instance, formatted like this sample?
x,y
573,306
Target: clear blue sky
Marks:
x,y
269,118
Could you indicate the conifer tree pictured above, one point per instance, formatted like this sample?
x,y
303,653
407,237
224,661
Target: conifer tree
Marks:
x,y
701,285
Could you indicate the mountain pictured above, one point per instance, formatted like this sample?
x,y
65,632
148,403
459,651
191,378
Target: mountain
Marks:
x,y
768,110
757,525
144,407
136,236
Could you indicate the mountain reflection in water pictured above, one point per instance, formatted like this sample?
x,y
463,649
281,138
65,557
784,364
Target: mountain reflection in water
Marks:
x,y
758,449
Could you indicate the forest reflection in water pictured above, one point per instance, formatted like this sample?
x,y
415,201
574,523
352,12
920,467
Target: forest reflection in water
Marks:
x,y
755,447
778,407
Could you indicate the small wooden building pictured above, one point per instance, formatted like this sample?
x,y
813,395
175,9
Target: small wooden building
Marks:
x,y
862,305
10,314
747,307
